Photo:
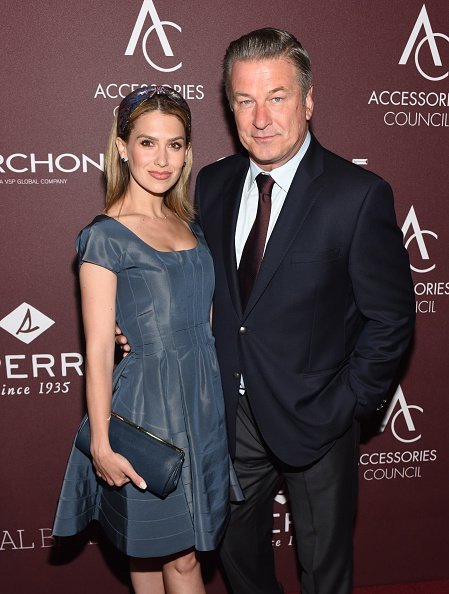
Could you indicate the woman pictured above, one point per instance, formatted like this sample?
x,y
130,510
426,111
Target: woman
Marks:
x,y
144,264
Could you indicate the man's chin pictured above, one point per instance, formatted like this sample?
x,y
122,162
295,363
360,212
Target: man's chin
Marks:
x,y
266,160
263,157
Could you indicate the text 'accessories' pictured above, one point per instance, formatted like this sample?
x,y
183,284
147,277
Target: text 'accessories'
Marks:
x,y
255,244
157,461
134,99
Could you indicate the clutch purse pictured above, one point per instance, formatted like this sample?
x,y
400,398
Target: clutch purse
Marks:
x,y
157,461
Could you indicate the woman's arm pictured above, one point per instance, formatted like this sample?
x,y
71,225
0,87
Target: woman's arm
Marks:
x,y
98,292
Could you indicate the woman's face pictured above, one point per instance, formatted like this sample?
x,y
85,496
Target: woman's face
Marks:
x,y
156,151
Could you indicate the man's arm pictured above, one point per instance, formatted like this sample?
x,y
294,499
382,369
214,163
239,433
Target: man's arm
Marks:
x,y
383,291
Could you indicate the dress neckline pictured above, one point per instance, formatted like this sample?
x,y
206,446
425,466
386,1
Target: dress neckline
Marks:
x,y
195,247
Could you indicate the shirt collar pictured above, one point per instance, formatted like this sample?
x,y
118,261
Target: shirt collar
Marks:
x,y
283,175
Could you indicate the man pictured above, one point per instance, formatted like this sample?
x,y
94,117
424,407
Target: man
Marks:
x,y
309,338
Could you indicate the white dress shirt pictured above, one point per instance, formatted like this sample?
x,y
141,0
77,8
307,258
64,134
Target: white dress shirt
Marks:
x,y
283,177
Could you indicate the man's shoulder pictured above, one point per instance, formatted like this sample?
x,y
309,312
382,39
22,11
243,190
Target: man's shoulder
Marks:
x,y
340,166
226,166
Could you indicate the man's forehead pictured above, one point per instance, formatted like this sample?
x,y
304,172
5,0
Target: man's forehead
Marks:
x,y
278,73
264,61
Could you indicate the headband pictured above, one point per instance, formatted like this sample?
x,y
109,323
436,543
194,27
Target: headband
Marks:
x,y
134,99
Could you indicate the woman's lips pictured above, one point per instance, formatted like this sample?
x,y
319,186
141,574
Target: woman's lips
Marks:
x,y
160,175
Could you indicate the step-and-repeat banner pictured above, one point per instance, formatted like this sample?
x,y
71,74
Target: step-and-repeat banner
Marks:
x,y
381,100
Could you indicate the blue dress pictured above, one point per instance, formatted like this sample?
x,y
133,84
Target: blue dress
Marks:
x,y
169,384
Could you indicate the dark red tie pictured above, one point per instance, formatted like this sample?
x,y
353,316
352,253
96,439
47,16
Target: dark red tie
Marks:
x,y
254,247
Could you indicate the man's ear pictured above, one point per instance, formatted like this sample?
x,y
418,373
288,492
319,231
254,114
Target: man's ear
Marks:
x,y
309,104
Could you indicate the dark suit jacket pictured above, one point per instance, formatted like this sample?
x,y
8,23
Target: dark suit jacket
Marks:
x,y
332,310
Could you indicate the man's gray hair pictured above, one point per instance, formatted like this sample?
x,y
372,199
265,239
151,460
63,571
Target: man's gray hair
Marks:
x,y
268,44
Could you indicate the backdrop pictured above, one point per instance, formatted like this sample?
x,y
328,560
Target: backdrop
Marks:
x,y
381,99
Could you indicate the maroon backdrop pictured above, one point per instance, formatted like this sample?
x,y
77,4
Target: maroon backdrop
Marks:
x,y
381,93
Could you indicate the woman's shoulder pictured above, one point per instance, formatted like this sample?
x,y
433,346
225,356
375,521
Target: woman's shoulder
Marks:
x,y
99,223
98,243
102,226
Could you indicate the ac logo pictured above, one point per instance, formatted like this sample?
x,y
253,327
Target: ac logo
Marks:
x,y
411,221
148,9
404,410
26,323
424,21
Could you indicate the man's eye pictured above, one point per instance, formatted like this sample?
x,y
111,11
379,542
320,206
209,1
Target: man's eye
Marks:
x,y
277,99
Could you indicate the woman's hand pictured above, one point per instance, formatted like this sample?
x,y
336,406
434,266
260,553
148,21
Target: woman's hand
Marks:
x,y
115,469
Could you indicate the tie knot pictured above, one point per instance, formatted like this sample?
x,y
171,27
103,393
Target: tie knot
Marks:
x,y
265,184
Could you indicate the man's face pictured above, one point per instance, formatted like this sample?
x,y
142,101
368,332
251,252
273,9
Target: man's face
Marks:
x,y
269,111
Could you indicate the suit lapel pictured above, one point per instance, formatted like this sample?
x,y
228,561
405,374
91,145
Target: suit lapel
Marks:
x,y
300,199
232,190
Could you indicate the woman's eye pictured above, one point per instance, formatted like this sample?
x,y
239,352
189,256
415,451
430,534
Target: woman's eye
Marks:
x,y
146,142
176,146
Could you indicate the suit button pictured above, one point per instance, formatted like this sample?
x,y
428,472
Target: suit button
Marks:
x,y
243,330
236,375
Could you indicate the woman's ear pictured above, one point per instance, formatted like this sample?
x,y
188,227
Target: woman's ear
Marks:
x,y
121,147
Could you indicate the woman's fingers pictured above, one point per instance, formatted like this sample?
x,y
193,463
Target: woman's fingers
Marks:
x,y
119,472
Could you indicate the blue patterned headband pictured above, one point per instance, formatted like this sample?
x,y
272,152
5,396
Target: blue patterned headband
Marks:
x,y
134,99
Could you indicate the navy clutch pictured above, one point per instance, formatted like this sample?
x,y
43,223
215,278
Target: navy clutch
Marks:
x,y
157,461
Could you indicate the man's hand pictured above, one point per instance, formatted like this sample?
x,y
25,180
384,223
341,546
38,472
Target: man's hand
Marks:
x,y
122,341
